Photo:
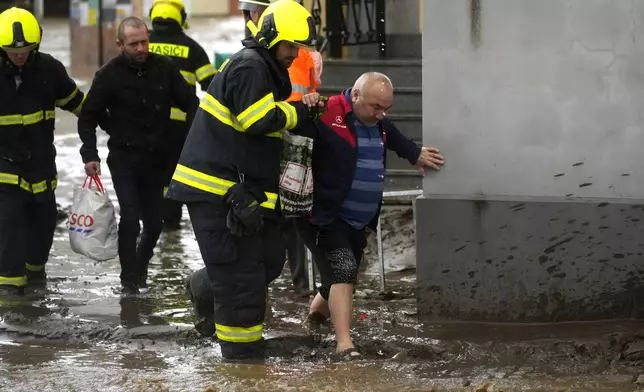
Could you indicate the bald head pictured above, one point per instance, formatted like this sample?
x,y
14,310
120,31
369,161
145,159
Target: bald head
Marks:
x,y
131,22
372,95
373,80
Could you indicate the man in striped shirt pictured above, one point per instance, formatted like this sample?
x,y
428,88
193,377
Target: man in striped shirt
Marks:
x,y
349,156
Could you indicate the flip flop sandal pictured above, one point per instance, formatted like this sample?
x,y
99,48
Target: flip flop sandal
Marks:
x,y
350,354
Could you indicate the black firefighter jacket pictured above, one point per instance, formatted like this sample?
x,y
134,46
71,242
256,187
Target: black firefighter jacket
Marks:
x,y
138,99
28,100
237,132
168,39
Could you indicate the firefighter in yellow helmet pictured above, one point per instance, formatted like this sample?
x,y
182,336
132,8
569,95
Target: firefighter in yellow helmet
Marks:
x,y
228,175
32,85
168,38
304,80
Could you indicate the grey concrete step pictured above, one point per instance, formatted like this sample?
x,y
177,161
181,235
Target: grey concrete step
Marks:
x,y
406,99
403,73
402,180
410,124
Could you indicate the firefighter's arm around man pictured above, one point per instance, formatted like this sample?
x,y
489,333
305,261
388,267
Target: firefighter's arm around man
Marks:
x,y
182,93
253,104
93,108
68,96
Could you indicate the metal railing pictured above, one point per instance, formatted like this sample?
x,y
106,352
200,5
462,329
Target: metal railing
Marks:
x,y
381,257
350,23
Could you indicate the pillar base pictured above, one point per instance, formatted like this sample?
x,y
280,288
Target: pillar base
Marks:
x,y
533,260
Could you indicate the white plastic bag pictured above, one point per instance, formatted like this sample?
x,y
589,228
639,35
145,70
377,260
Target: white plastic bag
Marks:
x,y
93,231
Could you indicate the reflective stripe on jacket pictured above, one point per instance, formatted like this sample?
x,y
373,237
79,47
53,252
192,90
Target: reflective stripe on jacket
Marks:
x,y
188,55
236,134
27,121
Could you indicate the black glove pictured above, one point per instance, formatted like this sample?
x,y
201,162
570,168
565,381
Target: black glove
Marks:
x,y
234,224
245,215
316,111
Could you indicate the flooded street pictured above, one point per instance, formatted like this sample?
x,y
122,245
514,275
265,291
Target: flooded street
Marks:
x,y
79,334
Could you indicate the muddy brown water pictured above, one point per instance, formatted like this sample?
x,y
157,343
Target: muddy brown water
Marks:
x,y
78,334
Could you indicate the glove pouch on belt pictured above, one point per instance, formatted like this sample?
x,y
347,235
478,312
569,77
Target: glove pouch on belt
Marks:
x,y
244,216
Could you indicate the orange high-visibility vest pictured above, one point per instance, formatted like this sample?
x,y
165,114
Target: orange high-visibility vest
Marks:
x,y
302,74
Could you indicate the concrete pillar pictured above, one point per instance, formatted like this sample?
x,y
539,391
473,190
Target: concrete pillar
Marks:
x,y
537,214
39,9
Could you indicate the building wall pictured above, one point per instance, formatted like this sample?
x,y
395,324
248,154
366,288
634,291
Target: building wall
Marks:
x,y
538,107
198,8
209,7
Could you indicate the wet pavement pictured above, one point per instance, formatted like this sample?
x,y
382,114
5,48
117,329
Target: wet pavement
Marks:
x,y
78,334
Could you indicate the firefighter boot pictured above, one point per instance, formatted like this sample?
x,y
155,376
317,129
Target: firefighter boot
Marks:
x,y
7,291
37,278
203,303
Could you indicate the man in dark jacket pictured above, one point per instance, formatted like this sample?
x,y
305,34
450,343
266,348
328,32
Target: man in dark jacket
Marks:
x,y
228,175
32,85
168,38
351,140
138,89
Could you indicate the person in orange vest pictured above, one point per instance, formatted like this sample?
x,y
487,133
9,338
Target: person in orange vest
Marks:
x,y
305,72
303,76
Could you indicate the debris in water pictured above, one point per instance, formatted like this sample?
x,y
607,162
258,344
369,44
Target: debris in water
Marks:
x,y
400,356
485,387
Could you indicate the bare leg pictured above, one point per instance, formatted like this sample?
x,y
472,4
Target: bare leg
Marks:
x,y
340,304
320,305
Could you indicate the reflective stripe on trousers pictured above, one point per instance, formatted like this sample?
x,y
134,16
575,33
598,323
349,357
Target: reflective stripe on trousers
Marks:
x,y
211,184
239,334
35,268
17,281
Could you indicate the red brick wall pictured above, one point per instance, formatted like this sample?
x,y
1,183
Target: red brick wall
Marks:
x,y
233,7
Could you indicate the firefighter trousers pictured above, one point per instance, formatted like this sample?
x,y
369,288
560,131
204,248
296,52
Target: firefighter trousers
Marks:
x,y
239,270
138,184
27,224
172,209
